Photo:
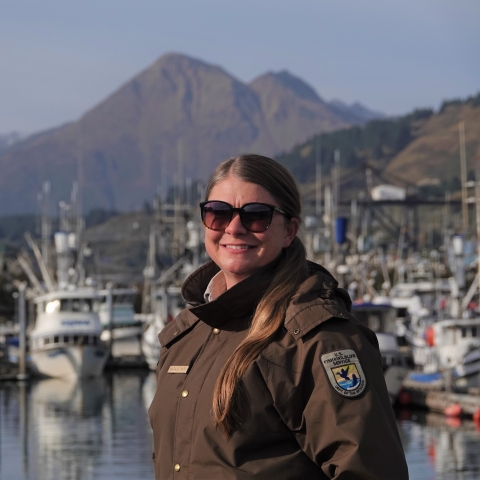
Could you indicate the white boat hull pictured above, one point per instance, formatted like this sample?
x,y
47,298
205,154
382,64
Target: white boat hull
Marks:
x,y
151,346
70,360
394,377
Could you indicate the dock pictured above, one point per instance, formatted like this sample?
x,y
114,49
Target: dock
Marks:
x,y
437,399
133,361
8,371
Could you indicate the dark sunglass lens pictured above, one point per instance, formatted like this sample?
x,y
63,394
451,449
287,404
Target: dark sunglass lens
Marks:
x,y
216,215
256,217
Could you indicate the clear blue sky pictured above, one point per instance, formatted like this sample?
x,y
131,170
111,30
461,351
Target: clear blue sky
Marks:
x,y
59,58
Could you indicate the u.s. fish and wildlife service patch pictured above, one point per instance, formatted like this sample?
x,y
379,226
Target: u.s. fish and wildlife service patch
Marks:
x,y
344,372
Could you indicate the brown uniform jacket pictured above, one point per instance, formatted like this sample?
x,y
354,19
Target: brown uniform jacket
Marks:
x,y
300,424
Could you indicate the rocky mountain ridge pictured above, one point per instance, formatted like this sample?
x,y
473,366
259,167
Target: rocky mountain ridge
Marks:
x,y
178,118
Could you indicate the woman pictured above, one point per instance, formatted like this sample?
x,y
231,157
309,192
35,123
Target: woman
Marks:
x,y
267,375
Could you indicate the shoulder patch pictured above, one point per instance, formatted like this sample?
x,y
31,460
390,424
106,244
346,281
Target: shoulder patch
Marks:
x,y
344,372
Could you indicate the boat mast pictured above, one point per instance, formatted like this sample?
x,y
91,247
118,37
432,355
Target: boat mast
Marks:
x,y
318,178
477,205
463,172
46,226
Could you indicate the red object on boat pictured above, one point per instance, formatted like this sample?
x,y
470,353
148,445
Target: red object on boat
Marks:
x,y
430,336
404,415
476,416
404,397
454,410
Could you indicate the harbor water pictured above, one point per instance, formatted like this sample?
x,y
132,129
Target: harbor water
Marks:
x,y
56,429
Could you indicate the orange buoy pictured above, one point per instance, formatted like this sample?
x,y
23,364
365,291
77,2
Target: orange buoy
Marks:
x,y
453,422
454,410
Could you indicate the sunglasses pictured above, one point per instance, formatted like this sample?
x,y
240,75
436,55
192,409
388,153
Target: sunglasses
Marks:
x,y
255,217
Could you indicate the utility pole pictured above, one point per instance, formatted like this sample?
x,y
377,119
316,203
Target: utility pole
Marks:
x,y
336,199
336,182
110,315
22,320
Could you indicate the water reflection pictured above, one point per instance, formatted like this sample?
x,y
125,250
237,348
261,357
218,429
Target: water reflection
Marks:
x,y
98,429
65,417
75,429
440,448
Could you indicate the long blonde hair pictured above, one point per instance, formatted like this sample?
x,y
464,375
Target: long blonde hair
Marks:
x,y
291,270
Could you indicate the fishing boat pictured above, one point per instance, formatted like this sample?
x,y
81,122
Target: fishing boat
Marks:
x,y
168,304
66,338
449,349
380,316
121,328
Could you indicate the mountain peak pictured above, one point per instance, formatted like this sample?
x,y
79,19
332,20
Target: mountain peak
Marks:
x,y
289,82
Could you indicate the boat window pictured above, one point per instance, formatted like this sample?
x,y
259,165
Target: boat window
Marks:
x,y
427,299
380,321
75,339
464,332
55,339
94,342
180,303
76,305
46,341
66,305
66,338
474,331
81,305
374,323
401,312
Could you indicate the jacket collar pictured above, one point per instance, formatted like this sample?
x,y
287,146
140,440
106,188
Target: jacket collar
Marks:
x,y
238,302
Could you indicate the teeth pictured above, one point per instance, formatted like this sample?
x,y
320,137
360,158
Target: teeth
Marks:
x,y
238,247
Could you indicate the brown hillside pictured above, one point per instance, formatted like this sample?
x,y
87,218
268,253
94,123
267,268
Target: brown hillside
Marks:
x,y
435,152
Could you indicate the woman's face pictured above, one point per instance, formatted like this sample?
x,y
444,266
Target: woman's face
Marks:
x,y
238,252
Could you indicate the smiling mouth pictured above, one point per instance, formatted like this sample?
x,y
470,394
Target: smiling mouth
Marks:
x,y
237,247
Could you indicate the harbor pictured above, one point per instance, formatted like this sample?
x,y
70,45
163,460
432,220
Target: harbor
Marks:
x,y
312,200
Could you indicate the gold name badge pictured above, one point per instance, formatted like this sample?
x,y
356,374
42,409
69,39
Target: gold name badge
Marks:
x,y
178,369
